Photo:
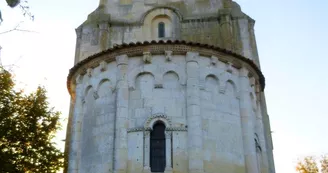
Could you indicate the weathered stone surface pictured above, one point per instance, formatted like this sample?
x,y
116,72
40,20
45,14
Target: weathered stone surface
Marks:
x,y
208,129
114,23
213,111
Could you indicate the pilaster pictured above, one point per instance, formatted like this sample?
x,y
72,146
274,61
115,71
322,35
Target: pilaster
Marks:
x,y
245,37
78,44
264,167
168,137
226,28
267,132
146,165
253,43
74,152
247,122
194,119
121,119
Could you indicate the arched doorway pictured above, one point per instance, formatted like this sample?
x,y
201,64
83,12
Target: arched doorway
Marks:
x,y
157,148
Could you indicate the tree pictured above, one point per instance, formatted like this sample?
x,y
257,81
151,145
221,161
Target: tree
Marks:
x,y
27,127
324,164
17,3
307,165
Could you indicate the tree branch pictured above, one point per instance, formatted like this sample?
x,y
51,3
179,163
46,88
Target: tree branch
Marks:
x,y
16,28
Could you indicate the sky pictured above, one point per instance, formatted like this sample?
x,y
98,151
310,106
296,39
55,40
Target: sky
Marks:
x,y
292,40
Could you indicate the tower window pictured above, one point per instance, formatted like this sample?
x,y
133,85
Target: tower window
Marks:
x,y
161,29
157,148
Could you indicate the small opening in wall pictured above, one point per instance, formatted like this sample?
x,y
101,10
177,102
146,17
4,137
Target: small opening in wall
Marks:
x,y
161,29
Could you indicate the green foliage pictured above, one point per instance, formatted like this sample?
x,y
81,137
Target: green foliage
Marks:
x,y
309,165
324,164
27,126
13,3
22,5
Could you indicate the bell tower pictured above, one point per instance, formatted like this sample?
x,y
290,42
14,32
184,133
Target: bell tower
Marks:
x,y
168,86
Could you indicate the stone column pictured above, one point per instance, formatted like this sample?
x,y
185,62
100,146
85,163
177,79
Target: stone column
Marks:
x,y
226,28
247,122
253,43
194,119
267,132
259,129
75,141
168,168
245,38
121,119
146,151
78,45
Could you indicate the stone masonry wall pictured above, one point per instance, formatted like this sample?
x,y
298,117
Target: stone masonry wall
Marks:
x,y
159,91
226,27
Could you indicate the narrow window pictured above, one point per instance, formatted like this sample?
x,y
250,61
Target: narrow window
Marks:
x,y
157,148
161,29
258,153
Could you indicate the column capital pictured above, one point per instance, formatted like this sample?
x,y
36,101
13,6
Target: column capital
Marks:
x,y
168,55
122,60
168,134
103,66
147,57
192,56
252,81
243,72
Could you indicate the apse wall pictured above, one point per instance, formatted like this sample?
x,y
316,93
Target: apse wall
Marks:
x,y
157,91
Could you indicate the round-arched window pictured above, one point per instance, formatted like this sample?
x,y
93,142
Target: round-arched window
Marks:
x,y
157,148
161,29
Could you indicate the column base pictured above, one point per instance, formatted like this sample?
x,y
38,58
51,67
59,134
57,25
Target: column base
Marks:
x,y
168,170
146,169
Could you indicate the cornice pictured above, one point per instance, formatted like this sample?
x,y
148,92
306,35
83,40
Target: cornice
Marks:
x,y
178,47
142,129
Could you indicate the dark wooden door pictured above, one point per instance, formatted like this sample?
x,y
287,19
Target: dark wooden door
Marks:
x,y
157,148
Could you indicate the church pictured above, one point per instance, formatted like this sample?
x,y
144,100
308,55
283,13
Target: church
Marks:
x,y
167,86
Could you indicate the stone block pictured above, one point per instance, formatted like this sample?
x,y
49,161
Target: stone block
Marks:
x,y
135,95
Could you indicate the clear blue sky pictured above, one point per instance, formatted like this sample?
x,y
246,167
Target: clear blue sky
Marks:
x,y
292,38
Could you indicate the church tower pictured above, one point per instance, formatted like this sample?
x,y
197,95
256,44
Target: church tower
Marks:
x,y
167,86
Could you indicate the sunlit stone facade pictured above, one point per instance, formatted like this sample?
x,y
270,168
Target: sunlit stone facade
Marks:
x,y
167,86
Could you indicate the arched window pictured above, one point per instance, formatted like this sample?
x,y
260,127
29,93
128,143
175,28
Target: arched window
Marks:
x,y
161,29
157,148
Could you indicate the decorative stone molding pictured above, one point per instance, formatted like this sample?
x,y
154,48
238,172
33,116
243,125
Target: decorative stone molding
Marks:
x,y
243,72
192,57
136,129
79,79
168,55
89,72
83,71
158,117
122,60
147,57
179,47
95,95
214,60
229,67
103,66
146,130
168,134
252,81
176,129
